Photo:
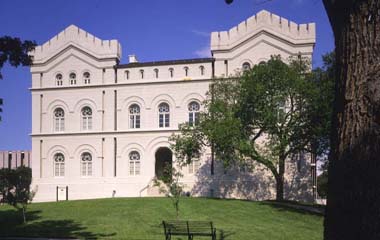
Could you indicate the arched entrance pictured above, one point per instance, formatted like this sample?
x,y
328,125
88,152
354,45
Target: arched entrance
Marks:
x,y
164,163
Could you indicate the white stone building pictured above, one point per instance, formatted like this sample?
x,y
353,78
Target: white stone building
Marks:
x,y
101,128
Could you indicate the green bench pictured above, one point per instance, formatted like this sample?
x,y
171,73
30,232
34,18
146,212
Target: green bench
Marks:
x,y
189,229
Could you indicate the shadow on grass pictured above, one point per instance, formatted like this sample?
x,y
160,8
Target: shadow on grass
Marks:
x,y
297,208
11,225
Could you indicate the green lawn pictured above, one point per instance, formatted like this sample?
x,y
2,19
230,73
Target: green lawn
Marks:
x,y
140,218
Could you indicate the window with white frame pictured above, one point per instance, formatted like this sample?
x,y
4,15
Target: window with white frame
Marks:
x,y
194,165
73,78
156,73
86,118
163,115
59,79
86,78
59,120
202,69
134,116
134,163
186,71
171,72
59,165
86,164
193,108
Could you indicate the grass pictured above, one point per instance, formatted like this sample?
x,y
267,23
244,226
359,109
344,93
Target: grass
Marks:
x,y
140,218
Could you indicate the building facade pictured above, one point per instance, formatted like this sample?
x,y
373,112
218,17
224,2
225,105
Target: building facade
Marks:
x,y
101,128
15,159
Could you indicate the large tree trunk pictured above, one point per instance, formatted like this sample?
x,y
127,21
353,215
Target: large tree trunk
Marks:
x,y
280,179
353,203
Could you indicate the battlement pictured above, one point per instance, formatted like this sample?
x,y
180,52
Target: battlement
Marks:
x,y
79,38
264,21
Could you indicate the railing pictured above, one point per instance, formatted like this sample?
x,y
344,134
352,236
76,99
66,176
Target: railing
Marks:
x,y
147,185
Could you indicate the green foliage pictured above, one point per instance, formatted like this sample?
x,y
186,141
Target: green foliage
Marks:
x,y
266,115
187,145
321,109
15,187
14,51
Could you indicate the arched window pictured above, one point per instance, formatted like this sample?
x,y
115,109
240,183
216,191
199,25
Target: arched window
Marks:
x,y
73,79
156,73
164,115
127,74
134,116
142,73
193,113
86,118
86,164
58,79
171,72
186,71
86,78
202,69
59,120
59,165
134,163
246,66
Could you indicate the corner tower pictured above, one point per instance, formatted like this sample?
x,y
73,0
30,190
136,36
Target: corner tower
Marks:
x,y
257,38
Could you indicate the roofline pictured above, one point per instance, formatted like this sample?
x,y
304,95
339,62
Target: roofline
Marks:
x,y
166,62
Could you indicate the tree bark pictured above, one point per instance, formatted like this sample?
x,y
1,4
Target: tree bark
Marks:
x,y
280,179
353,203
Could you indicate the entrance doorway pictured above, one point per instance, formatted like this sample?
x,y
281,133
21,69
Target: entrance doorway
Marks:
x,y
164,164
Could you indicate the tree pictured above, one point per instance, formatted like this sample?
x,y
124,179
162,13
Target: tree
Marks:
x,y
324,79
15,52
266,115
170,184
15,187
353,203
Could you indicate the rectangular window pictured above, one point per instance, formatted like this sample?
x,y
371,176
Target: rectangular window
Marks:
x,y
131,122
191,120
84,123
194,166
137,121
167,120
196,116
161,120
132,168
57,173
22,158
137,168
57,125
89,169
89,124
83,169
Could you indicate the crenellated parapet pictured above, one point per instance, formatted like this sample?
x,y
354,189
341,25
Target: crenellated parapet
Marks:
x,y
73,36
263,21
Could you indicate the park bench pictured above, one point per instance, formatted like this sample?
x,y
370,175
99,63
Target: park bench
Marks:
x,y
189,229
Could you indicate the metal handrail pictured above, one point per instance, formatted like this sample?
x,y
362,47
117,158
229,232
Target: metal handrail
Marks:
x,y
147,186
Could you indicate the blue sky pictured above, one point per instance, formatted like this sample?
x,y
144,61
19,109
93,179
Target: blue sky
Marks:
x,y
151,29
